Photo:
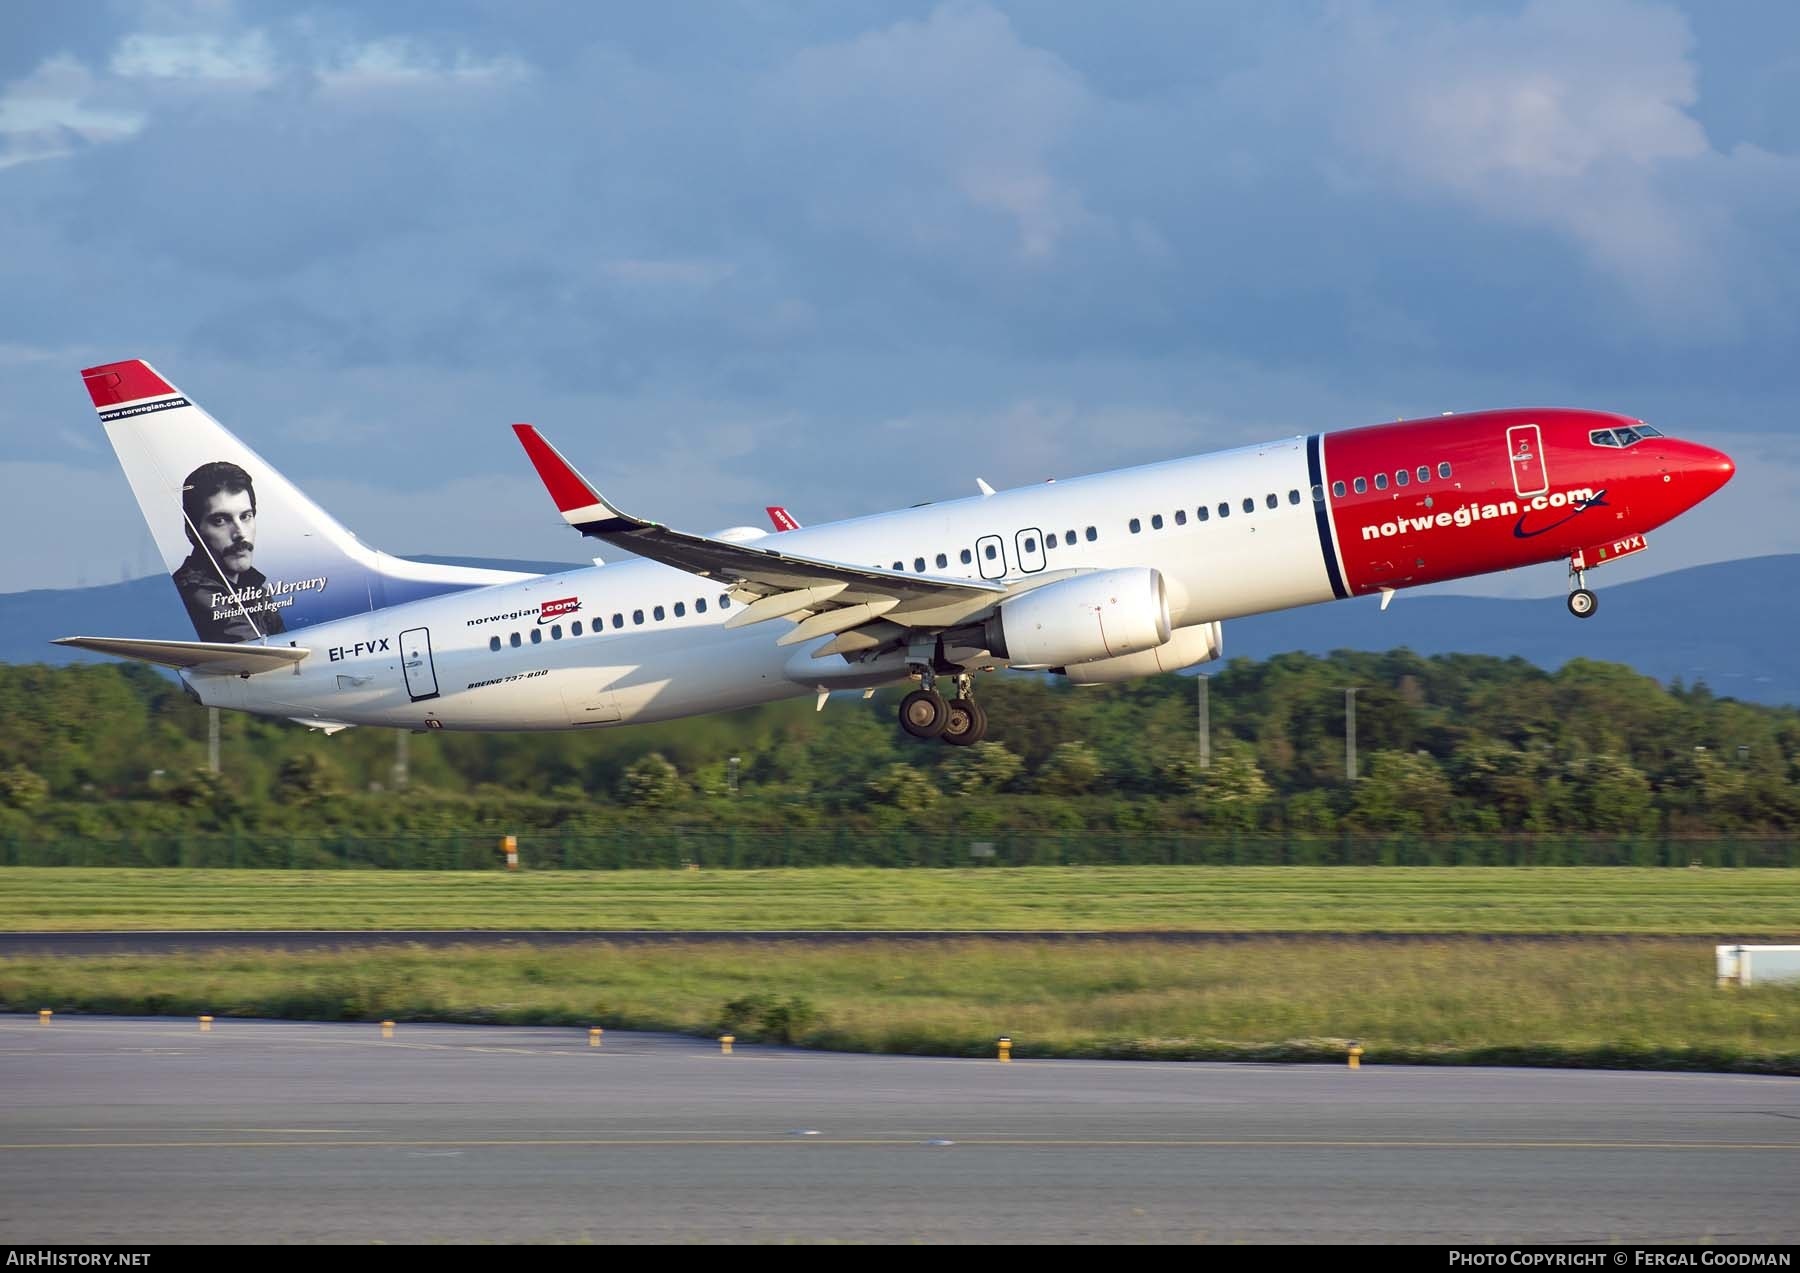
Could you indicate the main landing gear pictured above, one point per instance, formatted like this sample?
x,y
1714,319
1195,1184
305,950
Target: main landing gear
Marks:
x,y
959,721
1582,603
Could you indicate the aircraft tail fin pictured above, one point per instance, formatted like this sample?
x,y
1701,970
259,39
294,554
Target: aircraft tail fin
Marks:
x,y
250,554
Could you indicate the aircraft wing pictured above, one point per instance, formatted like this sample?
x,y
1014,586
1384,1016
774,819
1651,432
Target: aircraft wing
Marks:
x,y
198,656
827,597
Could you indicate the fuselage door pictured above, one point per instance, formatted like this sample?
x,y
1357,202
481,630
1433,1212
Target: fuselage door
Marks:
x,y
990,554
1030,544
415,660
1525,445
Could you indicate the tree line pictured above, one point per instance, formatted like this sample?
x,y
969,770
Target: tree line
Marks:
x,y
1451,744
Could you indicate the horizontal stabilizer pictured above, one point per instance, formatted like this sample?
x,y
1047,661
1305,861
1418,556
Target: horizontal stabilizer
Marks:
x,y
197,656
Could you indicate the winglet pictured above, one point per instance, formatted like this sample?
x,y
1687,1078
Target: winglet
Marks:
x,y
576,499
781,518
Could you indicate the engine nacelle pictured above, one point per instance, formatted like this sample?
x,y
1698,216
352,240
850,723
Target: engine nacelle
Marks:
x,y
1199,644
1097,616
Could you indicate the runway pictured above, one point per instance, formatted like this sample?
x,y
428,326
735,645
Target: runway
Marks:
x,y
149,1131
198,941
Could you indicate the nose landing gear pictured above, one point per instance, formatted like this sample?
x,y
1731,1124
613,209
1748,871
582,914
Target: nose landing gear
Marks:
x,y
1582,603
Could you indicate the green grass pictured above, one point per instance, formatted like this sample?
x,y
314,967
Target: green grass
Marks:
x,y
1737,903
1648,1003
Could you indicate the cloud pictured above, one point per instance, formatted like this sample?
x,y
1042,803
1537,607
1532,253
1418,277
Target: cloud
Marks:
x,y
53,112
1574,119
245,60
935,117
402,63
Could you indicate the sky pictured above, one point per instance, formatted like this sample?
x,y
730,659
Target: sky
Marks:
x,y
849,256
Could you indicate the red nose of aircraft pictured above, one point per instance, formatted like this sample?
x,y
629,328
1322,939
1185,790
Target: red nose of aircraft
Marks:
x,y
1710,470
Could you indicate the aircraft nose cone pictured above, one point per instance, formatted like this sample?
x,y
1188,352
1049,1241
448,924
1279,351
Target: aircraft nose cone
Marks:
x,y
1713,468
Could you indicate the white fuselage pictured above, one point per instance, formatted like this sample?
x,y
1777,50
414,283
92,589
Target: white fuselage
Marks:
x,y
634,658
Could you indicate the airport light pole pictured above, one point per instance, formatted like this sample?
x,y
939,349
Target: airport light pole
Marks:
x,y
1350,734
1204,724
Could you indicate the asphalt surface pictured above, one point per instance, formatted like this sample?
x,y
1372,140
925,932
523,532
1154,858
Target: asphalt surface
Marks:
x,y
133,1130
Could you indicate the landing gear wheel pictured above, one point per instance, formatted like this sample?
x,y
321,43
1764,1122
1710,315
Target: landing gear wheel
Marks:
x,y
967,723
923,713
1583,603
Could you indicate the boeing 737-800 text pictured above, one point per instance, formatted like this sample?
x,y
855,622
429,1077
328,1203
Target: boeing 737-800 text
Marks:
x,y
1103,578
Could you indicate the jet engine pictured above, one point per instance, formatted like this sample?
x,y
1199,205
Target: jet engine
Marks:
x,y
1102,615
1201,643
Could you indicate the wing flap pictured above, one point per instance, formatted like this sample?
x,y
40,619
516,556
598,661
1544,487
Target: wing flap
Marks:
x,y
221,658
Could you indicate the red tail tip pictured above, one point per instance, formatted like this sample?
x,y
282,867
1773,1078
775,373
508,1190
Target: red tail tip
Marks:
x,y
118,382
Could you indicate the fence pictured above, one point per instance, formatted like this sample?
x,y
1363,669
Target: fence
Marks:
x,y
744,850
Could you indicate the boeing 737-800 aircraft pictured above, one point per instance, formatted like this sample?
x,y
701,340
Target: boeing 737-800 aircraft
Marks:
x,y
1103,578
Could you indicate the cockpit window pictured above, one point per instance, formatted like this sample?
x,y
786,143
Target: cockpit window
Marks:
x,y
1624,435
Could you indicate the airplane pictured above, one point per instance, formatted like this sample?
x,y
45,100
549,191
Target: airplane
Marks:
x,y
1097,579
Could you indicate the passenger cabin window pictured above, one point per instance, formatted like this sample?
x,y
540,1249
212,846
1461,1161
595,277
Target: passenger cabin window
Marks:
x,y
919,565
1293,497
1402,478
699,605
681,609
899,565
943,562
966,556
1181,517
1031,544
1271,500
1135,526
990,552
1444,469
1092,534
1339,489
657,614
514,641
618,620
724,602
1050,540
1156,521
1362,485
1203,512
556,631
493,643
1249,504
637,616
1069,538
1381,481
1318,494
537,636
575,628
1224,509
